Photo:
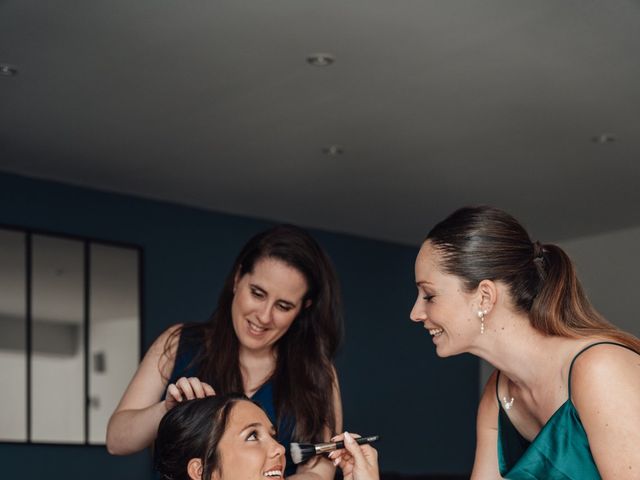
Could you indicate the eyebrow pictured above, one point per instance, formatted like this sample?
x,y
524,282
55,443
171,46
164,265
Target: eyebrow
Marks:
x,y
423,282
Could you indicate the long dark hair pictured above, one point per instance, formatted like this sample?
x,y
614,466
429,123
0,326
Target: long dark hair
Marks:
x,y
303,379
481,242
192,429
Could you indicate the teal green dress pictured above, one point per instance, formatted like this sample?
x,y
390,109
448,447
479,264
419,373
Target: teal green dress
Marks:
x,y
560,451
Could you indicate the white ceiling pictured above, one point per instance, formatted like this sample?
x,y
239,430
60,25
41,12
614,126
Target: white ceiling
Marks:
x,y
436,103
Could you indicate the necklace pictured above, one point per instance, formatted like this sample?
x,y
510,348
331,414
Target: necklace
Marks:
x,y
507,403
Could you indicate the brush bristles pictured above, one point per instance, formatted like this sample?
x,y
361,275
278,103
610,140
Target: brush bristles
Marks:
x,y
301,452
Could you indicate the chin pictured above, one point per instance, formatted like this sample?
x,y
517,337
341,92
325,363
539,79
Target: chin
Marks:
x,y
444,352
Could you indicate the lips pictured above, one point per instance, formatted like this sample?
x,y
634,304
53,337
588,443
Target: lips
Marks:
x,y
255,329
274,472
435,332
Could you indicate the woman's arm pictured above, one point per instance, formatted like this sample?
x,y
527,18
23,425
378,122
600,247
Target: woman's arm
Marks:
x,y
323,469
485,466
134,424
605,389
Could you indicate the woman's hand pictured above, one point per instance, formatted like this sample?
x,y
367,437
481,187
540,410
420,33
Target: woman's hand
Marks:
x,y
358,462
186,389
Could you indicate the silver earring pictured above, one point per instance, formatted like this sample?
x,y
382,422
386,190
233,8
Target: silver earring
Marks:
x,y
481,314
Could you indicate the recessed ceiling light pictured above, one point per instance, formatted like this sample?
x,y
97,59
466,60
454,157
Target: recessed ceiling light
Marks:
x,y
321,59
604,138
7,70
333,150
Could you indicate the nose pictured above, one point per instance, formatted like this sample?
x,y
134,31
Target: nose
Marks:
x,y
264,312
418,313
277,450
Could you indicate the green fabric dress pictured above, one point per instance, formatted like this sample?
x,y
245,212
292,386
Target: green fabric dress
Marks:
x,y
560,451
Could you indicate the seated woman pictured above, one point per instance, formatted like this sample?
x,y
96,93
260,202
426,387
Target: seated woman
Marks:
x,y
230,437
219,437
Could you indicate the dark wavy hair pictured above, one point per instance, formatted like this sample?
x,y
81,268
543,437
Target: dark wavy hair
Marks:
x,y
303,379
482,242
192,429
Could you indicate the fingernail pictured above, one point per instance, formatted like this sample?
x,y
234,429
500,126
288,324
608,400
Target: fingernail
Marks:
x,y
347,437
331,454
336,462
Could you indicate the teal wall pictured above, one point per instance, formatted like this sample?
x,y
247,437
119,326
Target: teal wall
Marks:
x,y
392,382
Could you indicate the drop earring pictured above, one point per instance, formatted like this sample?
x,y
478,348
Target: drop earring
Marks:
x,y
481,314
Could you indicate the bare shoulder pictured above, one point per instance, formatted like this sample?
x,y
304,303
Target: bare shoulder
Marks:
x,y
605,389
337,402
604,366
150,379
334,376
162,352
169,339
165,348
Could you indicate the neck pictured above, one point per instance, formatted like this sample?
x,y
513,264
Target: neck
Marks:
x,y
256,366
528,357
256,358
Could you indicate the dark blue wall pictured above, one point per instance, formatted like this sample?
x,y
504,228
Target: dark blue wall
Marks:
x,y
392,382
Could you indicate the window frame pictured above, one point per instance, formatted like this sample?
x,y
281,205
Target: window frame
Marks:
x,y
87,241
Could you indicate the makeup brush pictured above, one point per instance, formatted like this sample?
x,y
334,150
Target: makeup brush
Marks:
x,y
301,452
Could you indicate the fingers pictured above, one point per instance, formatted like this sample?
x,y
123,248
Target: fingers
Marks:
x,y
173,394
344,460
208,390
356,461
342,456
188,389
196,387
354,449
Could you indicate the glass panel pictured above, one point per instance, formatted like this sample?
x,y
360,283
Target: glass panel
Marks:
x,y
57,383
114,332
13,337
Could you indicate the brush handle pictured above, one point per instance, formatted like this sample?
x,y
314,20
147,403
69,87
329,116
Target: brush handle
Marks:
x,y
330,447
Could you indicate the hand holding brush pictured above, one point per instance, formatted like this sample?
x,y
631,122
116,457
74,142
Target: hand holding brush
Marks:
x,y
357,462
301,452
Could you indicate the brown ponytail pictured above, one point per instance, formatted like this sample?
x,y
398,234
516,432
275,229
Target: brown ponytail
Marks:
x,y
562,308
482,242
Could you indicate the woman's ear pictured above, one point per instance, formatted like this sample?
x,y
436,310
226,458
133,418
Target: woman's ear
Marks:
x,y
488,295
194,469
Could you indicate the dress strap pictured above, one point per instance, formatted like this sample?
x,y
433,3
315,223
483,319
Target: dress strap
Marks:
x,y
587,348
498,383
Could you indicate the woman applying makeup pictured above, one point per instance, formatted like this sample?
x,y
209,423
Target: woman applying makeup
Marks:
x,y
273,336
564,400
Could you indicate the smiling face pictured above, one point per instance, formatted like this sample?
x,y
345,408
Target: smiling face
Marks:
x,y
266,302
447,311
248,449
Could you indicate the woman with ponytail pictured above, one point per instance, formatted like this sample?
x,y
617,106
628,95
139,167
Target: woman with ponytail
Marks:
x,y
564,400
